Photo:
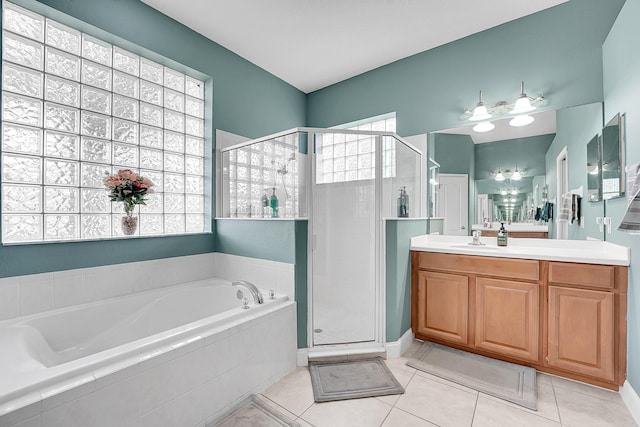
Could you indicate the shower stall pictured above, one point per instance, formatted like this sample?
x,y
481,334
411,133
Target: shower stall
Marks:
x,y
347,184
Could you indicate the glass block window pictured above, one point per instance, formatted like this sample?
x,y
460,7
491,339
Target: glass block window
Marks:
x,y
351,157
75,107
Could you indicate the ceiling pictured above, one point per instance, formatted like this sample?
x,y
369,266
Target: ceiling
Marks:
x,y
312,44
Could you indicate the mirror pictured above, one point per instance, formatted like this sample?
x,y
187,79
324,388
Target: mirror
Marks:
x,y
506,149
613,181
594,170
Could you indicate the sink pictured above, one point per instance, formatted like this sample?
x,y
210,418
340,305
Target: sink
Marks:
x,y
482,248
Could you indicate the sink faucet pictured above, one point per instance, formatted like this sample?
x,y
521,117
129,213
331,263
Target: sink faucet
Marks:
x,y
476,239
255,292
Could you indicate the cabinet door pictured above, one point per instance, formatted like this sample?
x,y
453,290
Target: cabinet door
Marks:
x,y
443,306
507,317
581,331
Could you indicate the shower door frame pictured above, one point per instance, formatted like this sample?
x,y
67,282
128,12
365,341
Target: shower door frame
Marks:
x,y
378,343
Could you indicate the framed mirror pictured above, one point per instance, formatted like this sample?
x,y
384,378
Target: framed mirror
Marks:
x,y
613,179
594,170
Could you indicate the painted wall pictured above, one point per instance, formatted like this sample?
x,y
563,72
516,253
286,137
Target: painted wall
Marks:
x,y
428,91
527,154
456,154
247,100
575,128
398,274
621,92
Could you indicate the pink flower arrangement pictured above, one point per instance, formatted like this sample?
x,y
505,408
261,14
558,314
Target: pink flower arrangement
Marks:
x,y
128,187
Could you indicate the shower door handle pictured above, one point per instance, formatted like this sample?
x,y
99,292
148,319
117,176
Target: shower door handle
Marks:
x,y
462,227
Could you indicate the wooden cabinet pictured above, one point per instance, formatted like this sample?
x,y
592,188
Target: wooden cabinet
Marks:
x,y
564,318
516,234
507,317
581,331
443,306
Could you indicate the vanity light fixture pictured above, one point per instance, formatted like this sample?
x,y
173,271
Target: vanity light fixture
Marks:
x,y
517,176
508,174
503,192
514,192
520,108
480,112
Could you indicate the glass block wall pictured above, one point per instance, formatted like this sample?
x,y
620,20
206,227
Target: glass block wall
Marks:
x,y
252,174
350,157
75,107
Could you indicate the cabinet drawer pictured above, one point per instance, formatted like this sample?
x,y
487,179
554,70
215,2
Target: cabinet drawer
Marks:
x,y
526,269
589,275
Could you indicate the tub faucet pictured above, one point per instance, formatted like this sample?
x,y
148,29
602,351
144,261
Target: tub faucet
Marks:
x,y
255,292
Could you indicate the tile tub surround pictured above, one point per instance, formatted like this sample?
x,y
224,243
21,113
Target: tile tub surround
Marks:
x,y
185,385
35,293
580,251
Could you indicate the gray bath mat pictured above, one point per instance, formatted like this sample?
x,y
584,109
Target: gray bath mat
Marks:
x,y
507,381
253,412
352,379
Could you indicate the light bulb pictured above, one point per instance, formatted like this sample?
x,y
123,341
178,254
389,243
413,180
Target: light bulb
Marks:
x,y
521,120
514,192
516,175
503,192
484,127
499,176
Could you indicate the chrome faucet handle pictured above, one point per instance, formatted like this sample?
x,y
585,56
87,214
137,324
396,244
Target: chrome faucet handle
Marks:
x,y
272,294
245,303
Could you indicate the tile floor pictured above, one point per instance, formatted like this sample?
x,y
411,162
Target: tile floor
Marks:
x,y
432,401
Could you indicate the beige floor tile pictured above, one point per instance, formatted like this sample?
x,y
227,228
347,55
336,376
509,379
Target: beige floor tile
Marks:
x,y
583,388
303,423
398,418
293,392
369,412
403,374
579,409
547,407
493,413
438,403
541,377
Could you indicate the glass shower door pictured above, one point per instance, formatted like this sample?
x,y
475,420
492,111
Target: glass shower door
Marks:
x,y
343,241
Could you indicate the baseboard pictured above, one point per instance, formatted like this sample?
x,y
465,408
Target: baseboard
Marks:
x,y
302,357
631,398
397,348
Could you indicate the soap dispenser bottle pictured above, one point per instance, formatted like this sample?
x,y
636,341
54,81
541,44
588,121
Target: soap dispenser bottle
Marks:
x,y
273,203
265,201
403,203
502,235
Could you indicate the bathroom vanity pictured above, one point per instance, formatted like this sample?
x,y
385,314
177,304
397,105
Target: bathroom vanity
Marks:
x,y
556,305
514,230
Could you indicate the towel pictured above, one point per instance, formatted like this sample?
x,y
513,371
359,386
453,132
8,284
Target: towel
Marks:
x,y
631,220
575,208
547,212
564,214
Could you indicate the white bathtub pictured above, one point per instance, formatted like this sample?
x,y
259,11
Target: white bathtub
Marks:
x,y
51,353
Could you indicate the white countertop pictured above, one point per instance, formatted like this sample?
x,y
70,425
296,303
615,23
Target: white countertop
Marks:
x,y
521,226
582,251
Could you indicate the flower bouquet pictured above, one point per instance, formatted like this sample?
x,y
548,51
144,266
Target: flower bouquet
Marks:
x,y
130,188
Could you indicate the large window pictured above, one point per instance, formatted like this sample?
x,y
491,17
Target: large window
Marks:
x,y
350,157
75,107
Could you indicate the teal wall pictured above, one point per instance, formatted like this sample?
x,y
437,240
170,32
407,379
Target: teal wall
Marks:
x,y
456,154
247,100
428,91
398,274
575,128
621,94
265,239
527,154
